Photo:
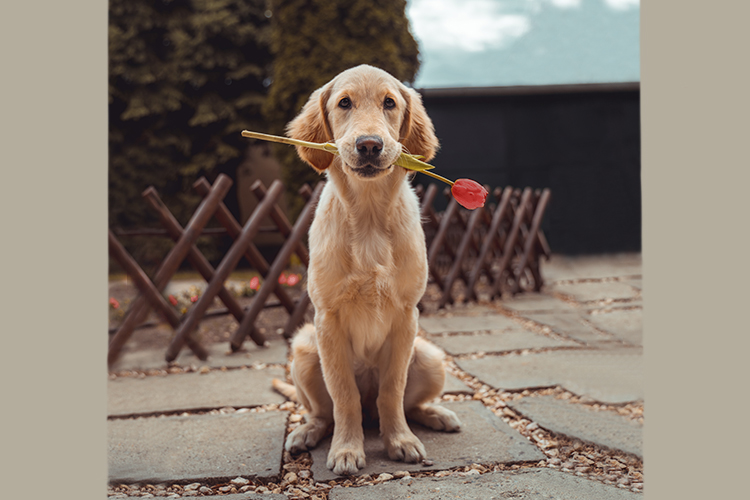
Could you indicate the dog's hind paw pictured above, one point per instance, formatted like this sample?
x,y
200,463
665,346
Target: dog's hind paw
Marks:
x,y
435,417
306,436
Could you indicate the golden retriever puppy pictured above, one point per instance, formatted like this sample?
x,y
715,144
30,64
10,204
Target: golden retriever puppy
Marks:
x,y
367,272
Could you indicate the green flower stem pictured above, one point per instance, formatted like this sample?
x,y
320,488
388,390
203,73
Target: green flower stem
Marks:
x,y
438,177
331,148
405,160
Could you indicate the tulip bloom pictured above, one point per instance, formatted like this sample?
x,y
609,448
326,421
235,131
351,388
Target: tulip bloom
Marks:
x,y
172,300
468,193
113,302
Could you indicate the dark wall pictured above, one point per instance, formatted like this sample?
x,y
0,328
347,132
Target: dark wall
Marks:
x,y
584,146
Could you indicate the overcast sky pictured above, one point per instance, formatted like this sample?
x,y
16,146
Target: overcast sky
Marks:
x,y
525,42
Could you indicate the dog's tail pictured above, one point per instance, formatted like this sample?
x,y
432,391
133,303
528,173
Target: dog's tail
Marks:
x,y
304,340
285,389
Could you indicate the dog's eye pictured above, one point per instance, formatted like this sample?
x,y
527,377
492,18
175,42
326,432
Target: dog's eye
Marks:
x,y
345,103
389,103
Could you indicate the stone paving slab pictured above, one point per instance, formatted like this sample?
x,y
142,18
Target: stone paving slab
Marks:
x,y
603,428
589,291
498,342
636,283
611,376
570,325
462,323
454,385
536,302
483,437
469,309
192,391
625,324
525,484
613,306
219,355
196,448
564,267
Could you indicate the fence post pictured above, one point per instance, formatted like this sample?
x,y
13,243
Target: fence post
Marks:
x,y
300,227
196,259
172,261
148,289
256,259
222,272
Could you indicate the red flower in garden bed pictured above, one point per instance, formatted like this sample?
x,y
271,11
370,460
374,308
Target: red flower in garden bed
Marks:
x,y
255,283
292,279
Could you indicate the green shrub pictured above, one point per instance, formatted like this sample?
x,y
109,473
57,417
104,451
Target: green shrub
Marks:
x,y
184,79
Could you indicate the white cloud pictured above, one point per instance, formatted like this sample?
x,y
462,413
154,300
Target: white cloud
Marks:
x,y
536,6
623,4
565,4
469,25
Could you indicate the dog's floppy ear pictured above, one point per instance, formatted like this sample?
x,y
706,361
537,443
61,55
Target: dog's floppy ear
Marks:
x,y
417,132
311,125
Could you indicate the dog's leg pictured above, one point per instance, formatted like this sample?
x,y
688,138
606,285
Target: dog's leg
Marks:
x,y
425,383
311,392
347,453
393,364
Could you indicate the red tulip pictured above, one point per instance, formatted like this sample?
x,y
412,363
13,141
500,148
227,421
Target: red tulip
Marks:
x,y
194,298
172,300
282,279
468,193
292,280
113,302
254,283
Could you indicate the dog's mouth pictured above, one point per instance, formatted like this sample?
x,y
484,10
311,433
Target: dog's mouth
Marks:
x,y
368,170
366,162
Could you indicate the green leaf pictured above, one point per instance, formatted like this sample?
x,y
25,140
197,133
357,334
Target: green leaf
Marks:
x,y
413,162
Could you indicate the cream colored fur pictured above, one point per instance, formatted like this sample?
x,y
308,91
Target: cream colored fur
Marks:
x,y
367,272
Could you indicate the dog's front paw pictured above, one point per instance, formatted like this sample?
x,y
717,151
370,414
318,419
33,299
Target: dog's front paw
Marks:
x,y
306,436
346,460
405,447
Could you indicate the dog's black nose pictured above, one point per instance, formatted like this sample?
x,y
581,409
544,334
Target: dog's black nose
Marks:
x,y
369,145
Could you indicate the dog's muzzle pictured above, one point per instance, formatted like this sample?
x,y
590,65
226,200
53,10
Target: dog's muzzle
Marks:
x,y
369,146
368,161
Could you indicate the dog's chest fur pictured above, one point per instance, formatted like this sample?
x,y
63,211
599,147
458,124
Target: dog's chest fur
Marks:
x,y
367,261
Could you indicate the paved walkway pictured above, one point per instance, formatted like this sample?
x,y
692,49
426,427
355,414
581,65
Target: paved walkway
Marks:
x,y
548,386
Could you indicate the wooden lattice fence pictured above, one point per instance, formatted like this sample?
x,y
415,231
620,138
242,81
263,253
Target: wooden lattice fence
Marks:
x,y
496,249
501,242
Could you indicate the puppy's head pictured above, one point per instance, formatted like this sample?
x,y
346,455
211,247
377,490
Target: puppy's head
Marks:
x,y
370,116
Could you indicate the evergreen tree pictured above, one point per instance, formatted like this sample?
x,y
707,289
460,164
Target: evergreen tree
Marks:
x,y
313,40
185,77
